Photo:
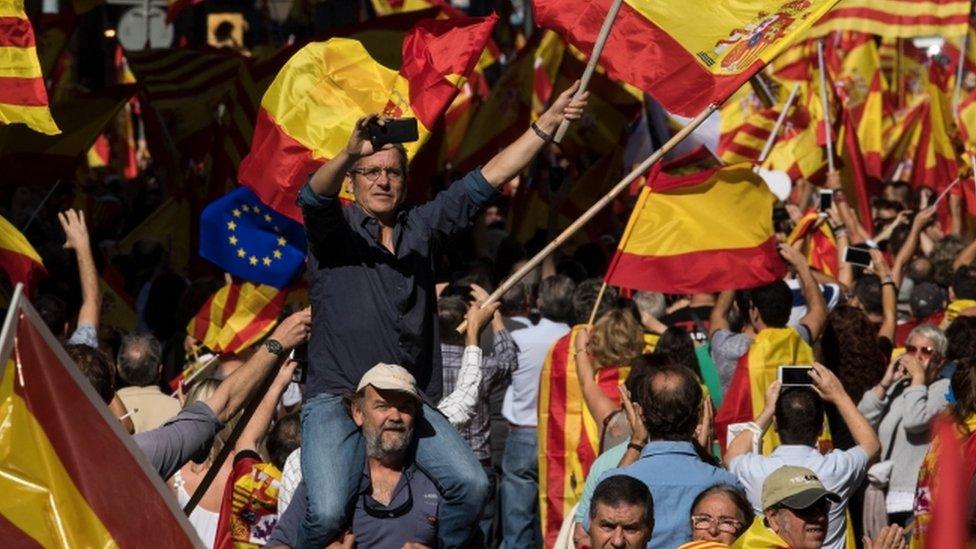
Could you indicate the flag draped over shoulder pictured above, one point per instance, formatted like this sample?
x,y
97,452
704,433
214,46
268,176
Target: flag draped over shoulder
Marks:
x,y
897,18
706,231
18,258
686,54
70,476
311,108
569,438
248,239
23,97
237,316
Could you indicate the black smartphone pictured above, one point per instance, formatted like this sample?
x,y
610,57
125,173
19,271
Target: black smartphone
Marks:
x,y
791,376
826,200
300,355
857,256
396,130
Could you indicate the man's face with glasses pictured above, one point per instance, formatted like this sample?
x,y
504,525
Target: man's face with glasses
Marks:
x,y
378,183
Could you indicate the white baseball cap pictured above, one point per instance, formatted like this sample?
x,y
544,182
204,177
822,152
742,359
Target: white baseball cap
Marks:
x,y
390,377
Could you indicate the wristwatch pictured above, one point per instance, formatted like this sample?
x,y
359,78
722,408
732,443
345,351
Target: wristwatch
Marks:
x,y
274,347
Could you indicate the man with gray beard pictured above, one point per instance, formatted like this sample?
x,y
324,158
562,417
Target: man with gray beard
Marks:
x,y
396,503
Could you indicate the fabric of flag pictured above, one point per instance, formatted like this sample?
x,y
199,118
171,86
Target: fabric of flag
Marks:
x,y
756,370
759,536
702,232
703,545
31,158
71,477
237,316
311,108
797,151
855,67
966,121
569,437
819,246
685,54
18,258
941,499
23,97
174,7
935,163
897,18
169,226
118,308
858,188
249,509
745,142
252,241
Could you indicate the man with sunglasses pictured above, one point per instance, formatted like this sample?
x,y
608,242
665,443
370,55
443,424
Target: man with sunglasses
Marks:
x,y
371,272
795,506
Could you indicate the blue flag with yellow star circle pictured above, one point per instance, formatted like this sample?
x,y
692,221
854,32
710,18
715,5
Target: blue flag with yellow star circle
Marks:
x,y
250,240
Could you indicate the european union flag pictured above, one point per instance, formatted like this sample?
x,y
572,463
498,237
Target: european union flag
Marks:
x,y
250,240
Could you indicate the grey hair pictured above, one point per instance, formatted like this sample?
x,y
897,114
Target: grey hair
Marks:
x,y
932,333
650,303
139,358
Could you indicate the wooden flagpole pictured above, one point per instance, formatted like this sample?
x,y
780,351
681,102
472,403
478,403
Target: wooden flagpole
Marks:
x,y
595,208
601,40
826,106
779,123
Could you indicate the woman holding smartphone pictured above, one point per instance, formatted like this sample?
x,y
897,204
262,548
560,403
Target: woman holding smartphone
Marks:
x,y
901,408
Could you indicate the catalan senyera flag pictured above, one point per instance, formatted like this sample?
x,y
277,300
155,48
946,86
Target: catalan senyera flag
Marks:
x,y
820,245
745,142
702,232
897,18
18,258
23,97
685,54
237,316
569,437
71,477
755,371
935,163
311,108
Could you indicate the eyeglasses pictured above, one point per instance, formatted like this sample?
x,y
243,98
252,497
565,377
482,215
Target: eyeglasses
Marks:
x,y
926,351
372,174
725,524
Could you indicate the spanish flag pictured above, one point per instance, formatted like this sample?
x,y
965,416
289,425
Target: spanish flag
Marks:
x,y
23,98
756,370
311,108
897,18
745,142
819,246
569,437
237,316
706,231
71,476
797,151
687,54
860,85
17,257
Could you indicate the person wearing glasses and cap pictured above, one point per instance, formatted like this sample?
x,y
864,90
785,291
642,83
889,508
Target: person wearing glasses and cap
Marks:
x,y
901,408
796,505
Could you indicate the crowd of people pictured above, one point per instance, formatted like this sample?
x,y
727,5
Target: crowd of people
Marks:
x,y
567,413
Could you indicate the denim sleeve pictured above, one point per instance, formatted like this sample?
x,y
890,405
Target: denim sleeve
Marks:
x,y
455,208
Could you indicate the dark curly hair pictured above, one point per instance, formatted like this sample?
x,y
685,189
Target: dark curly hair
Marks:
x,y
849,348
961,338
677,343
964,389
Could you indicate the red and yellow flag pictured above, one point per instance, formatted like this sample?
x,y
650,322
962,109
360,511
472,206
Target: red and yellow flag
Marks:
x,y
71,476
23,98
569,437
685,54
897,18
311,108
18,258
744,142
237,316
819,246
706,231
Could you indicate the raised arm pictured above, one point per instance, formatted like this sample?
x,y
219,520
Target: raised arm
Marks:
x,y
599,404
327,180
816,316
830,389
260,421
847,215
515,157
718,319
742,443
76,238
907,251
458,407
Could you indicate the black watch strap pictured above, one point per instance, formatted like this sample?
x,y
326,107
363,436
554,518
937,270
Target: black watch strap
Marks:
x,y
274,347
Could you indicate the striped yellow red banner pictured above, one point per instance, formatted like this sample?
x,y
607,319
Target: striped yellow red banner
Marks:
x,y
237,316
18,258
707,231
819,244
897,18
23,97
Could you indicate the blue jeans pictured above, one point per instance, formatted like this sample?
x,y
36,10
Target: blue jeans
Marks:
x,y
334,454
520,491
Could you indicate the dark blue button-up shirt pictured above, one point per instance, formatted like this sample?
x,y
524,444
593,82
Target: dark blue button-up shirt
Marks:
x,y
370,305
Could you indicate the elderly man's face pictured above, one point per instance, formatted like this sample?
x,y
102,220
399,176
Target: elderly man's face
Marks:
x,y
619,526
378,182
387,419
801,528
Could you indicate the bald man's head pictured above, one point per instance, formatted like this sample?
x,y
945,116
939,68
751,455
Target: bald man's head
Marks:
x,y
672,406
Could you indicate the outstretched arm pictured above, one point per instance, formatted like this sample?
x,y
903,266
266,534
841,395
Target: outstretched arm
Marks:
x,y
76,238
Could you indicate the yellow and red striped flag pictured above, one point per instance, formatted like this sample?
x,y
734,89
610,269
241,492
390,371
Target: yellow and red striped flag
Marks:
x,y
897,18
707,231
820,245
744,142
71,476
237,316
18,258
23,98
569,437
311,108
685,54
